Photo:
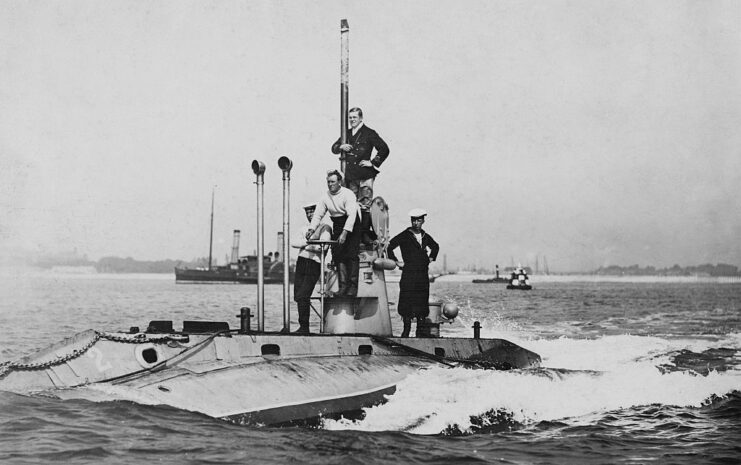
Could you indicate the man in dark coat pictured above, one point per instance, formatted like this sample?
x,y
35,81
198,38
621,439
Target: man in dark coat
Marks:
x,y
360,168
414,286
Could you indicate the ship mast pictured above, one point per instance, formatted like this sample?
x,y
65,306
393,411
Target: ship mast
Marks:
x,y
211,235
344,82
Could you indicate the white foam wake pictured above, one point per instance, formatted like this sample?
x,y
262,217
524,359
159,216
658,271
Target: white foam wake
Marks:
x,y
613,372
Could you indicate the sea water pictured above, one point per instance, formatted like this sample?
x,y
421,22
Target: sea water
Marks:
x,y
633,372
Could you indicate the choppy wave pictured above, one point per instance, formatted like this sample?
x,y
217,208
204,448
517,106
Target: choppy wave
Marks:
x,y
581,378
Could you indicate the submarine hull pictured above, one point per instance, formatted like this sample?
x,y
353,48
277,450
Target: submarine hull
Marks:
x,y
266,378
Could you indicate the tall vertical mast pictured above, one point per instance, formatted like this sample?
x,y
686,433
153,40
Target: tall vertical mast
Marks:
x,y
344,82
285,164
211,235
258,168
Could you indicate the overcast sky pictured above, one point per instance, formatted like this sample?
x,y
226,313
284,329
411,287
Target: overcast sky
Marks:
x,y
590,132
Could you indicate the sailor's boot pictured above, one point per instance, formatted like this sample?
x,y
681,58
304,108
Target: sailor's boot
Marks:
x,y
342,277
421,330
352,278
368,236
407,326
304,311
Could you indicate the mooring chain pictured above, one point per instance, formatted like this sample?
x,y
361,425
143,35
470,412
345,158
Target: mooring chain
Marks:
x,y
58,360
4,368
141,338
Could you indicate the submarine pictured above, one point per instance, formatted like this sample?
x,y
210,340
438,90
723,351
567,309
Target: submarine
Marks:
x,y
253,376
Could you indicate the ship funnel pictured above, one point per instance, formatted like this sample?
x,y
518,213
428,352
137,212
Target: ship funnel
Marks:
x,y
285,164
235,247
259,169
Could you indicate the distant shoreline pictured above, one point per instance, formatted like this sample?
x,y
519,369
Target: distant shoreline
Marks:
x,y
89,272
592,278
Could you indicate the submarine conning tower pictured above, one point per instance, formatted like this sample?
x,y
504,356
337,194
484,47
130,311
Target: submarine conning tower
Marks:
x,y
367,312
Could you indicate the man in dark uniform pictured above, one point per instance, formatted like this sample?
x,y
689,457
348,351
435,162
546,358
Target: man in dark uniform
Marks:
x,y
414,286
360,169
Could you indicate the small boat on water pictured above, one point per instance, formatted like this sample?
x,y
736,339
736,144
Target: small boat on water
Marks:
x,y
495,279
254,376
520,287
519,280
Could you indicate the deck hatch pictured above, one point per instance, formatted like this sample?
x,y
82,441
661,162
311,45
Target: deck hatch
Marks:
x,y
204,327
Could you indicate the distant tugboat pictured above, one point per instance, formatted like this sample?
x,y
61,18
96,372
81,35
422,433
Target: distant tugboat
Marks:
x,y
519,280
241,270
495,279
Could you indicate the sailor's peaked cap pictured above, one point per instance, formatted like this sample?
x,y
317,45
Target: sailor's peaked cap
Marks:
x,y
417,213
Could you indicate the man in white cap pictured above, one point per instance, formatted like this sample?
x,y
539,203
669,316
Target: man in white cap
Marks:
x,y
308,266
414,286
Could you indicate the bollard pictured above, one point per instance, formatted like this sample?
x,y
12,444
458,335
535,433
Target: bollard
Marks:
x,y
244,320
476,330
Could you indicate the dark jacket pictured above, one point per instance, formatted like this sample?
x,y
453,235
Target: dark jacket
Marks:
x,y
363,143
414,255
414,287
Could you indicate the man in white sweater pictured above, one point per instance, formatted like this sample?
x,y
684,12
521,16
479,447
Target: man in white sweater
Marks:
x,y
342,206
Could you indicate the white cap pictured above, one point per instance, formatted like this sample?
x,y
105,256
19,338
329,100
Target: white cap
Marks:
x,y
309,206
416,213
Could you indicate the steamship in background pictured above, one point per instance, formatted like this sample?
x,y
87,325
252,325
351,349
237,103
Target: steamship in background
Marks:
x,y
497,278
240,269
